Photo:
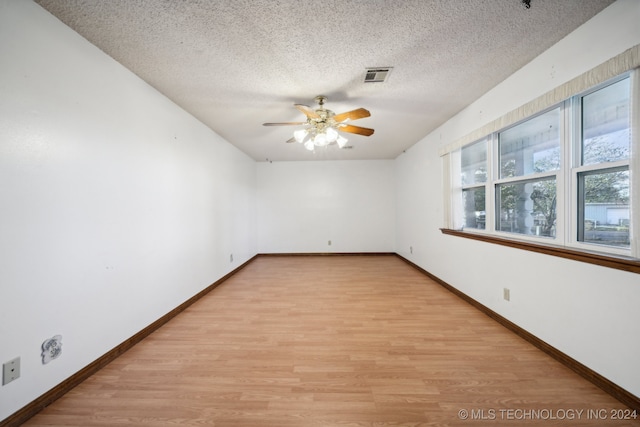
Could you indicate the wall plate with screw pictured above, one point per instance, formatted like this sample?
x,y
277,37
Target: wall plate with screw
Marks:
x,y
10,371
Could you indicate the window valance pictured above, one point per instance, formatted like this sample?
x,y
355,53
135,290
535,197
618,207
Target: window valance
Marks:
x,y
627,60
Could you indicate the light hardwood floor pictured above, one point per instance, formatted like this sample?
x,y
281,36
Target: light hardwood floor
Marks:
x,y
332,341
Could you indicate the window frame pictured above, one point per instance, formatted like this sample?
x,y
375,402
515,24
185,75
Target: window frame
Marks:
x,y
577,170
579,176
567,178
559,239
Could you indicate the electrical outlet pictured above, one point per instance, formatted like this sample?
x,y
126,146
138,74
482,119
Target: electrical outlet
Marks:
x,y
51,349
10,371
231,258
329,242
411,249
506,294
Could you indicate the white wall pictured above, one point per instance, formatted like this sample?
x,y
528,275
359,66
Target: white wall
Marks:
x,y
588,312
116,205
303,205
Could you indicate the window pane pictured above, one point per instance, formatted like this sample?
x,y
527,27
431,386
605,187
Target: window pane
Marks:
x,y
605,124
527,207
604,208
474,163
531,147
473,201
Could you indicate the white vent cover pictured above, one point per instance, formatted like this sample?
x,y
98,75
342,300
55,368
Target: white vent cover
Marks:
x,y
377,75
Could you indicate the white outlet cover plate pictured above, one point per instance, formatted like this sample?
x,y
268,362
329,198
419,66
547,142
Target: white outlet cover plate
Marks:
x,y
10,371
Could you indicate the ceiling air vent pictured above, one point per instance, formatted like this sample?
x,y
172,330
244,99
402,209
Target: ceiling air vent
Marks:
x,y
377,75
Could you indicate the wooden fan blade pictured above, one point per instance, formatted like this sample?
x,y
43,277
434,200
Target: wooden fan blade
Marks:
x,y
360,113
285,124
308,111
292,139
356,129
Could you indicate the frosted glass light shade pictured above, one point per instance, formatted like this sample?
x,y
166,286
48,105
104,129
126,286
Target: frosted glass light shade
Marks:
x,y
320,140
300,135
332,135
342,141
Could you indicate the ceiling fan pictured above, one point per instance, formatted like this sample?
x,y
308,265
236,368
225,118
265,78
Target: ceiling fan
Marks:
x,y
322,125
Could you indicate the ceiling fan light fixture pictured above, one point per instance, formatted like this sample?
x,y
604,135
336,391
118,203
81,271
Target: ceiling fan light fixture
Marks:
x,y
322,125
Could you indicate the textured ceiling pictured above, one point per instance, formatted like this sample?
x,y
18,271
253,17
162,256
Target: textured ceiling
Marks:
x,y
235,64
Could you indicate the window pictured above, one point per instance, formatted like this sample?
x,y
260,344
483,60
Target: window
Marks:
x,y
602,173
531,147
474,178
527,207
562,177
604,207
529,161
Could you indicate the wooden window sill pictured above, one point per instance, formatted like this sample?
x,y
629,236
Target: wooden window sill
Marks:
x,y
619,263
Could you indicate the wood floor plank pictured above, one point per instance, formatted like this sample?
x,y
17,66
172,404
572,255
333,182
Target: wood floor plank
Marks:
x,y
362,341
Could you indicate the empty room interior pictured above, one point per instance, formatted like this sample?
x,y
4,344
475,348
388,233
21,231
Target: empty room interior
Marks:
x,y
296,213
